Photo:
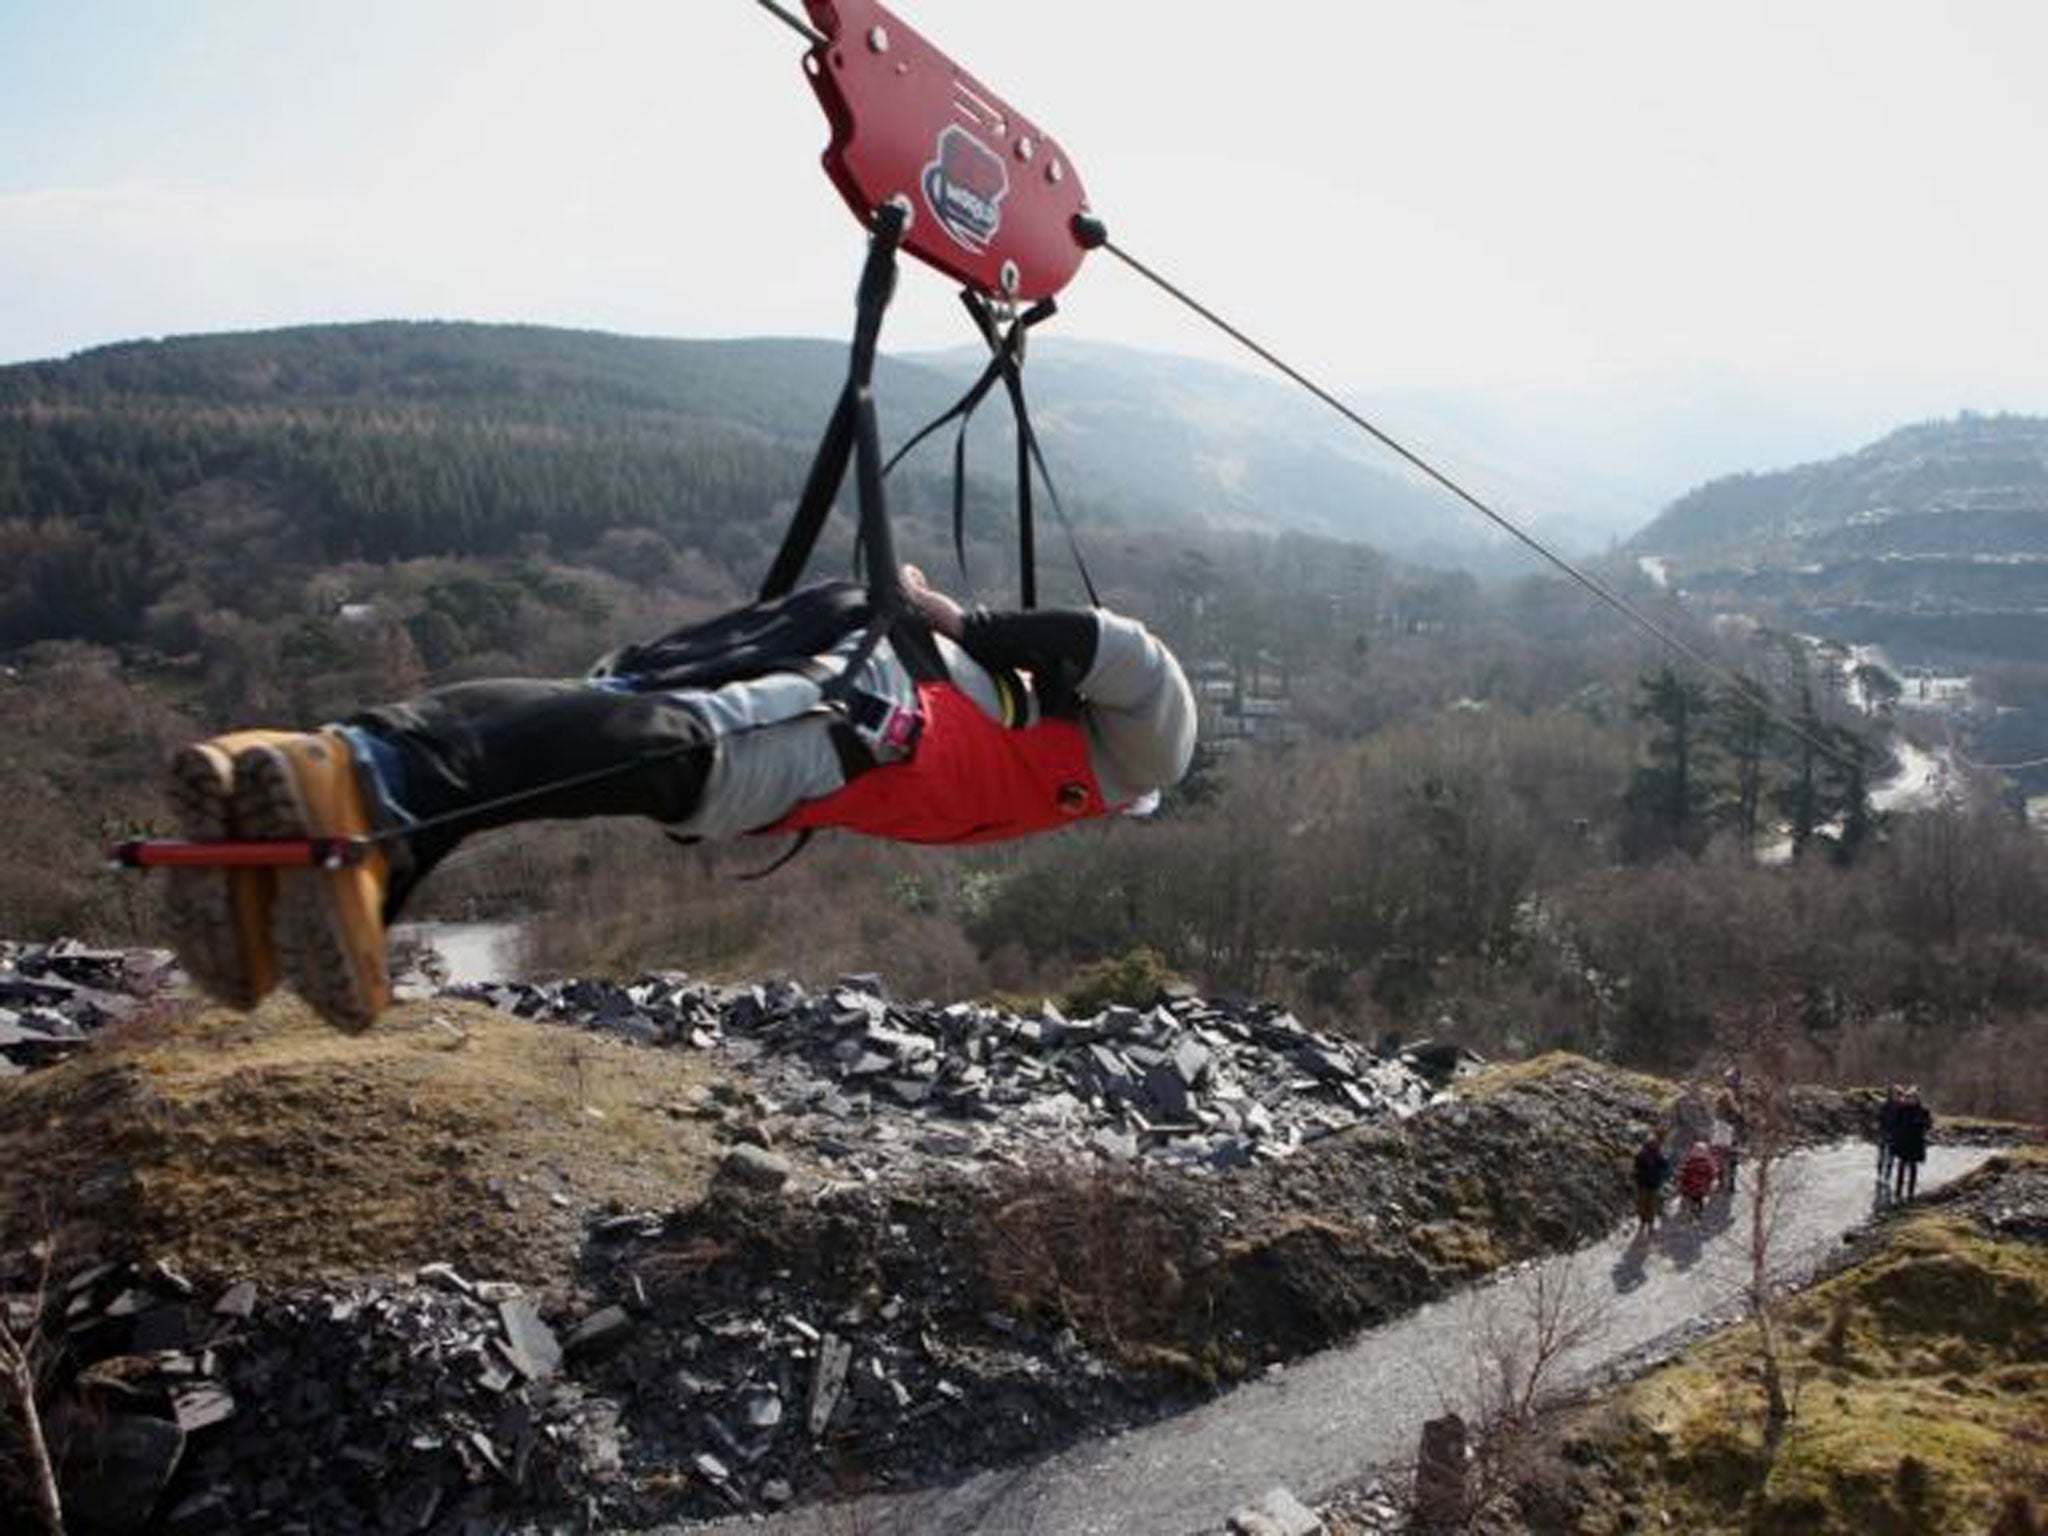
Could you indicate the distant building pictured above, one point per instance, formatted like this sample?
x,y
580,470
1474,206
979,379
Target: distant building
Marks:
x,y
1236,706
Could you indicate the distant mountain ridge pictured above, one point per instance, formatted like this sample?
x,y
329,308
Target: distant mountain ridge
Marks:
x,y
1150,438
1173,439
1971,486
202,472
1934,539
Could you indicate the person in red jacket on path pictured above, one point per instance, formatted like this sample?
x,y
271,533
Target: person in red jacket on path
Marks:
x,y
1697,1171
958,726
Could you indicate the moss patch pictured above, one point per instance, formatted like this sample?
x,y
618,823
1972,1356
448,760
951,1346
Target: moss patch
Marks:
x,y
1920,1404
1503,1076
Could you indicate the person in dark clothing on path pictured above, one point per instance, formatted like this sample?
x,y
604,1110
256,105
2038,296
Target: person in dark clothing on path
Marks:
x,y
1887,1120
1911,1123
1652,1168
956,726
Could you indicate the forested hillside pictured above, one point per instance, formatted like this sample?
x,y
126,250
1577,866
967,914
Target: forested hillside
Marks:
x,y
209,468
375,504
125,471
1422,805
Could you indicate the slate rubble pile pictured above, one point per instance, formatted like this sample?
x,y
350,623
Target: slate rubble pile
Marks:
x,y
55,996
709,1361
838,1342
1190,1083
435,1403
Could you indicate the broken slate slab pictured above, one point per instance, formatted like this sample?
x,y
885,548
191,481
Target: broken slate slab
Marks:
x,y
1191,1060
446,1276
1327,1065
600,1331
761,1407
828,1381
116,1468
201,1406
1118,1146
755,1168
1279,1513
1167,1092
530,1343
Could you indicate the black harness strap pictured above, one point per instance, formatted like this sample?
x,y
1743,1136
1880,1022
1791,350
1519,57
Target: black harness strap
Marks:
x,y
1008,350
821,487
853,437
1010,357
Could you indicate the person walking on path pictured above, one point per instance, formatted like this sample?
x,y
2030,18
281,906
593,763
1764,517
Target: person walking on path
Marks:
x,y
1731,1126
1652,1168
1911,1123
1723,1143
1692,1119
958,726
1887,1123
1696,1174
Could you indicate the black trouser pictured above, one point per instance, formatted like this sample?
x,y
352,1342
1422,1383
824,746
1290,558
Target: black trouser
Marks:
x,y
1905,1176
522,750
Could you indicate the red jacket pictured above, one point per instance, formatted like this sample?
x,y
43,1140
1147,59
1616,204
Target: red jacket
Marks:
x,y
971,779
1696,1174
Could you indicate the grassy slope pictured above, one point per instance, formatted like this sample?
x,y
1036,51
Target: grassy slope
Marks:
x,y
270,1145
1921,1401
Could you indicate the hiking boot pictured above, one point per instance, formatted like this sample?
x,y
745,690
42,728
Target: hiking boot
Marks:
x,y
219,919
328,923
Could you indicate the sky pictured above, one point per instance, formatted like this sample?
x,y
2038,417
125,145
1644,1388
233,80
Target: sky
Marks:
x,y
1803,211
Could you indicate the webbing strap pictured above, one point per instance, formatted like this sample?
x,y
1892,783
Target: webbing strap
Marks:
x,y
852,437
1011,357
1005,365
962,411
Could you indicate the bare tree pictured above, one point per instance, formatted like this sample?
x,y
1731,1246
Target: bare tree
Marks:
x,y
1760,1088
22,1348
1521,1334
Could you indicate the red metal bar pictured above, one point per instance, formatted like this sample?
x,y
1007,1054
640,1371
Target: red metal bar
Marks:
x,y
992,197
239,853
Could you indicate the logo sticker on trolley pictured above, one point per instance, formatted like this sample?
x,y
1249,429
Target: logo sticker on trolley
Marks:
x,y
964,186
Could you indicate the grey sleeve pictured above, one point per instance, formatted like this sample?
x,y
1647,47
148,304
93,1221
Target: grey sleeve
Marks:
x,y
1140,711
773,751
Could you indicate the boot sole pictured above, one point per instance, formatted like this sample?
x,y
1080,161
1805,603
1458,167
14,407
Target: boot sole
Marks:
x,y
312,936
201,915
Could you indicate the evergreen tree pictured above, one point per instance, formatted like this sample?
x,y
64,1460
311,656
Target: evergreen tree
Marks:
x,y
1741,731
1666,802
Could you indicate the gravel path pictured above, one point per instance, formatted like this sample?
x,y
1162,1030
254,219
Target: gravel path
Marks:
x,y
1322,1422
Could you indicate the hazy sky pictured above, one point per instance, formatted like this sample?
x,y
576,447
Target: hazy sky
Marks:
x,y
1810,195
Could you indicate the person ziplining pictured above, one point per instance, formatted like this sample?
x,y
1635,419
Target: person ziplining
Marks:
x,y
881,709
885,709
961,726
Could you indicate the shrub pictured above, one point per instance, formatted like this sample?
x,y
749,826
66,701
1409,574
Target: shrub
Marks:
x,y
1134,979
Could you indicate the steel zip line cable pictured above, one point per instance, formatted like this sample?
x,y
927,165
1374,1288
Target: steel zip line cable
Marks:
x,y
1093,235
793,21
1747,687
